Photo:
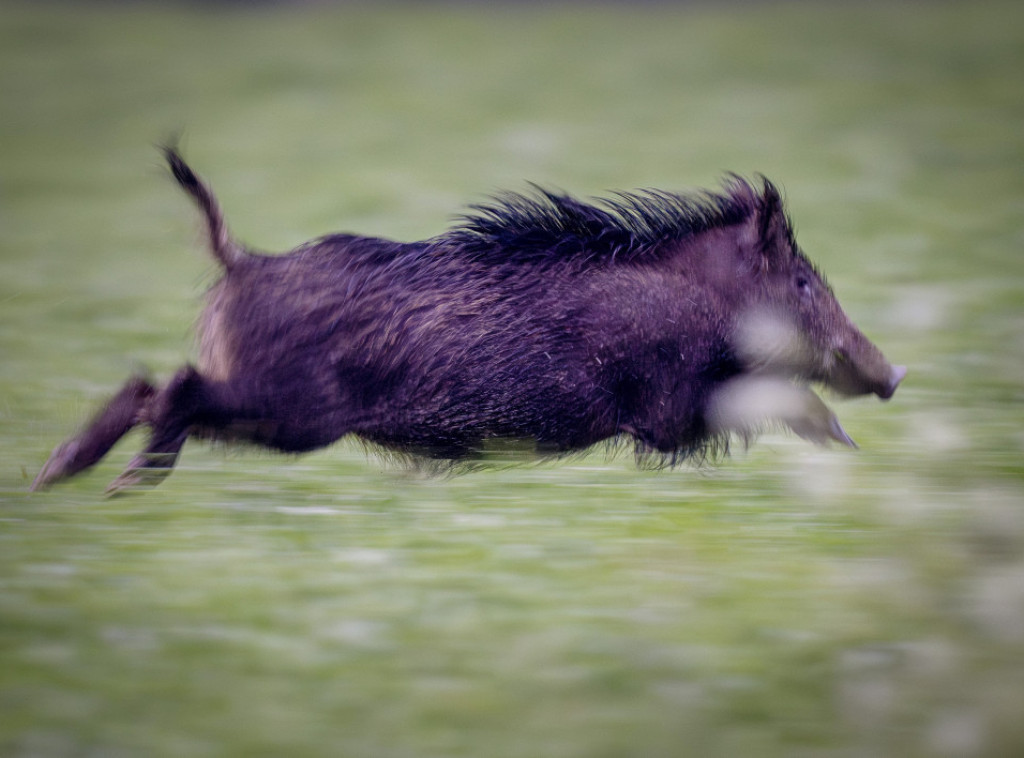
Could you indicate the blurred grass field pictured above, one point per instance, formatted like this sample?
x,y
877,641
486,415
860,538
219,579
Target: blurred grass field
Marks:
x,y
789,601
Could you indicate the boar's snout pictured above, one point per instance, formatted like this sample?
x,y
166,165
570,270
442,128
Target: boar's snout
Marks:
x,y
771,343
865,370
895,377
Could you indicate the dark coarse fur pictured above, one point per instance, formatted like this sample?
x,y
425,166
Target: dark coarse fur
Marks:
x,y
538,317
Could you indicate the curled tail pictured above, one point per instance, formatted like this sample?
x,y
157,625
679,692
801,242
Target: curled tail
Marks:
x,y
224,248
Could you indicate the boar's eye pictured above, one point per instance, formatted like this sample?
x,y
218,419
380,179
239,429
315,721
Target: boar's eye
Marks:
x,y
803,285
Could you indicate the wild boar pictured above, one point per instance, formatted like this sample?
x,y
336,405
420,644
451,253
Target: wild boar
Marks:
x,y
674,320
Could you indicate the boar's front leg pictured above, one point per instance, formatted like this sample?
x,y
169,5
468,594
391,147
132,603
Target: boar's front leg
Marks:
x,y
124,411
188,400
748,404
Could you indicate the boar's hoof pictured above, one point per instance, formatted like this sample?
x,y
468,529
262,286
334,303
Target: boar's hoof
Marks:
x,y
58,466
144,471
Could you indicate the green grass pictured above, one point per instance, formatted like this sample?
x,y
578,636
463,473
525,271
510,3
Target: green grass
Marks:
x,y
788,602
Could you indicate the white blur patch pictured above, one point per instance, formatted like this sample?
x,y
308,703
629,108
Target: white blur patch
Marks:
x,y
921,308
997,603
939,432
765,339
307,510
819,477
363,556
750,404
356,632
957,733
531,141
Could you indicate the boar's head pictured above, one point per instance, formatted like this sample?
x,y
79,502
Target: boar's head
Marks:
x,y
790,326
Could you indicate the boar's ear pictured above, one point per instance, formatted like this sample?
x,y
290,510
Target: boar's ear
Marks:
x,y
770,225
771,217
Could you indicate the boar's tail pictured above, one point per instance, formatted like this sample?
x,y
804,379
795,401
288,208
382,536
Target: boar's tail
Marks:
x,y
224,248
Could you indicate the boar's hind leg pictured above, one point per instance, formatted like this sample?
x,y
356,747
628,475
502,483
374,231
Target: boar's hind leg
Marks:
x,y
187,400
124,411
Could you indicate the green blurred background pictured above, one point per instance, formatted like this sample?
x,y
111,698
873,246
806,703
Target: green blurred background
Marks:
x,y
789,601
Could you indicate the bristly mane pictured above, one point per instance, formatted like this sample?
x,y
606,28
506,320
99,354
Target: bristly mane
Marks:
x,y
514,227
